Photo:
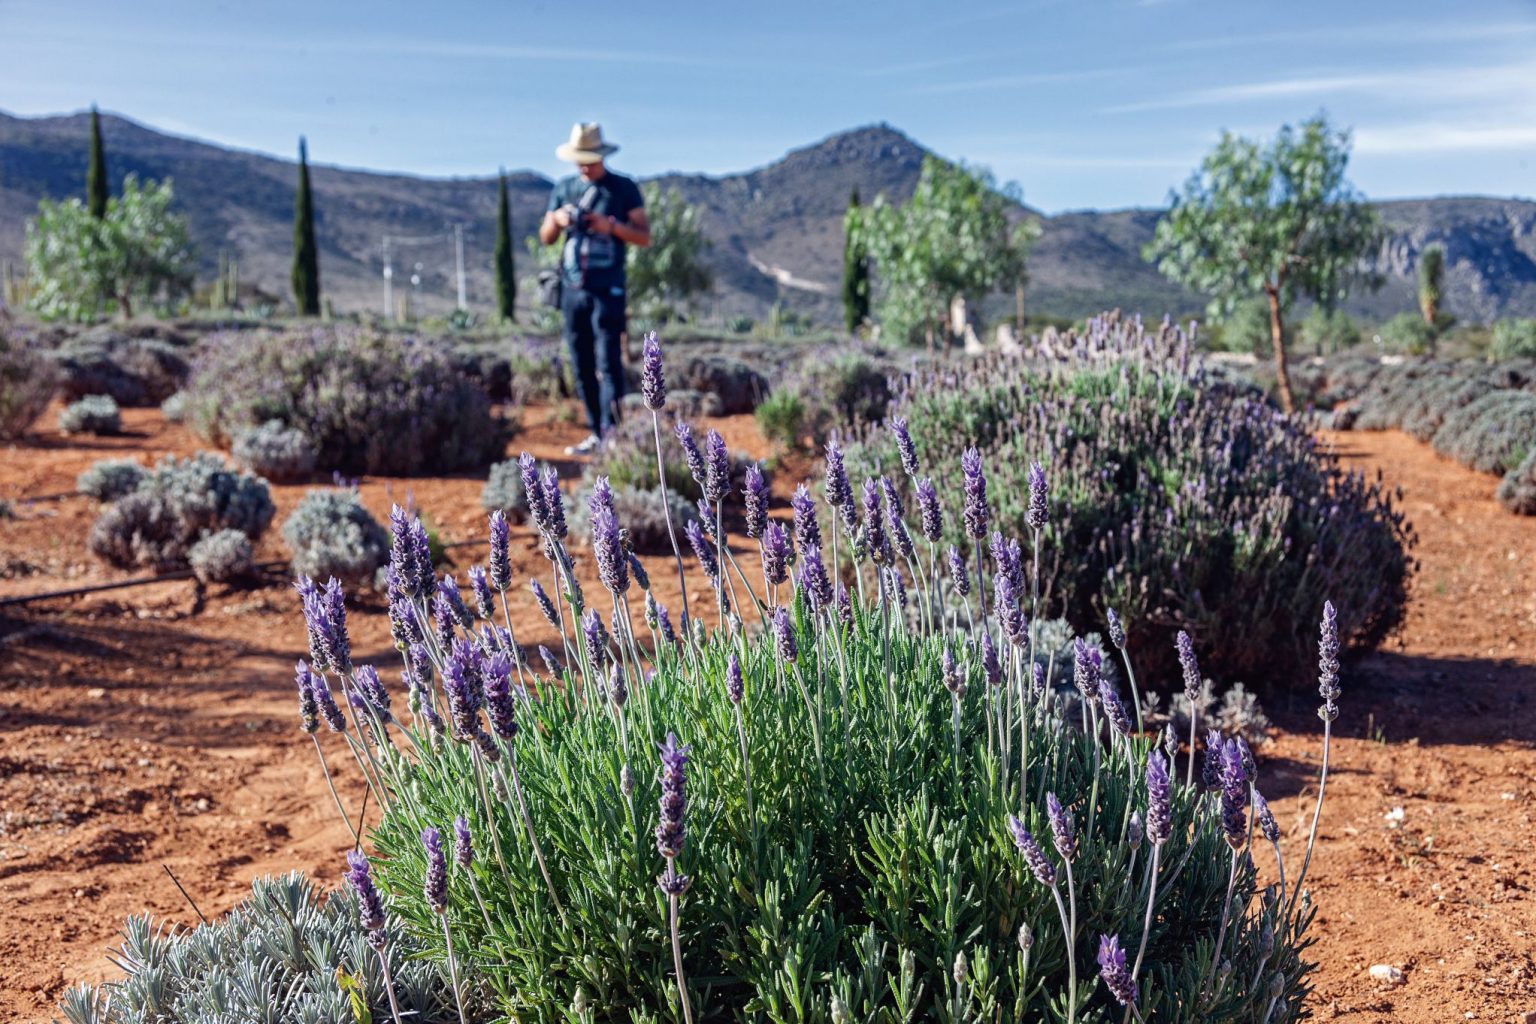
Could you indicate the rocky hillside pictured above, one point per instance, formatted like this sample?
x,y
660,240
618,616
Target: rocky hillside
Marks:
x,y
776,230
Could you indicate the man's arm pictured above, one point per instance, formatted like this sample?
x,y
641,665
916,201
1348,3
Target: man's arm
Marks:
x,y
636,232
554,222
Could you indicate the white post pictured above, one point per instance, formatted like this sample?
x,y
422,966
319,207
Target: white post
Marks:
x,y
389,277
458,255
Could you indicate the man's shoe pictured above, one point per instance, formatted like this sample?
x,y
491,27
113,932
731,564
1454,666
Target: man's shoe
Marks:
x,y
586,447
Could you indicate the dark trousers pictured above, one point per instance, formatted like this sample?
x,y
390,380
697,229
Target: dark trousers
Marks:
x,y
594,329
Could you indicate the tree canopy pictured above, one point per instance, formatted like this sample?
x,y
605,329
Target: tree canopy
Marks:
x,y
672,270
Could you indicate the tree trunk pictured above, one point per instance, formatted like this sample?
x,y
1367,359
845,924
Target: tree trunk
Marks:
x,y
1018,310
125,304
1277,338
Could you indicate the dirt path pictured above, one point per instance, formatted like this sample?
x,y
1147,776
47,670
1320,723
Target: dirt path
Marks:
x,y
142,728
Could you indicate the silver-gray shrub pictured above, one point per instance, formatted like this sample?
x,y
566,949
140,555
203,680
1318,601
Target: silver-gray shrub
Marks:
x,y
156,525
135,371
224,556
1492,434
504,491
274,450
93,414
331,534
111,479
368,402
28,381
174,408
639,509
274,958
1517,491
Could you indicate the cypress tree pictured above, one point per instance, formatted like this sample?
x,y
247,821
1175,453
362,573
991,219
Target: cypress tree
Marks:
x,y
96,188
506,281
1431,284
306,258
855,271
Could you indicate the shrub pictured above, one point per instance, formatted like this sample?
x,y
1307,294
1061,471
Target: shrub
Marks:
x,y
134,371
627,458
1178,502
181,499
1517,491
782,419
645,525
222,557
1513,339
738,386
1324,331
28,381
332,534
835,836
681,403
93,414
504,490
368,403
841,393
1407,332
111,479
276,957
275,451
174,408
1492,434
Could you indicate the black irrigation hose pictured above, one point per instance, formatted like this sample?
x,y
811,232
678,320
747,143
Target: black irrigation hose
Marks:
x,y
140,581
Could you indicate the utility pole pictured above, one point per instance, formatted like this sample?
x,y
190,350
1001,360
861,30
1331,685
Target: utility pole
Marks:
x,y
458,256
389,283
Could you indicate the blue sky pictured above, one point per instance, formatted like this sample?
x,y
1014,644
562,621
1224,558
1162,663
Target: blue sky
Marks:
x,y
1083,103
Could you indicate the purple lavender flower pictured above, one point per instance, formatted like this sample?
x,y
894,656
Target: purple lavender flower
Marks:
x,y
325,616
735,682
443,619
991,664
784,635
370,905
977,513
309,710
1116,630
545,604
705,550
959,575
1034,856
1063,834
653,377
904,446
1135,831
404,623
672,831
435,887
637,570
1035,513
1328,664
448,587
533,488
618,686
1037,681
1159,799
1010,612
1085,670
501,556
691,452
1114,709
1265,818
664,625
1191,667
717,468
844,602
596,636
463,843
480,586
895,519
875,540
325,703
895,587
1234,797
1116,976
930,511
814,579
1215,761
496,685
607,545
754,494
485,745
554,501
954,679
374,693
839,490
412,565
777,553
807,529
550,664
463,688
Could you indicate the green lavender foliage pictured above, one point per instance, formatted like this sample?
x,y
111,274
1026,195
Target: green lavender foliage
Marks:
x,y
1182,502
306,256
331,534
93,414
111,479
862,874
272,960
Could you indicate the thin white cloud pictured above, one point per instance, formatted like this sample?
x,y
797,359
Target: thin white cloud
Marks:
x,y
1028,78
1438,137
1351,35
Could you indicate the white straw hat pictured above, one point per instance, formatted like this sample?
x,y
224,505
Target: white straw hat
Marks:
x,y
586,145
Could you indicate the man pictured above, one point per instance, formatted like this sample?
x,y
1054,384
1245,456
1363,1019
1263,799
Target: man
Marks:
x,y
600,213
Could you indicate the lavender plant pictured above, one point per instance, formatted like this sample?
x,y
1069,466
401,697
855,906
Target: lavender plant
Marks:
x,y
224,556
331,534
850,844
275,451
28,381
1180,502
111,479
93,414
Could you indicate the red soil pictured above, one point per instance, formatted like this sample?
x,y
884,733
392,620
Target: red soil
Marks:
x,y
156,726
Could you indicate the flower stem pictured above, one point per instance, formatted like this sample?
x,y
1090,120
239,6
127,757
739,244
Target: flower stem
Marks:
x,y
677,948
325,770
666,508
453,969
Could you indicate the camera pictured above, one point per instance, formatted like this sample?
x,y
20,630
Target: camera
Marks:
x,y
578,218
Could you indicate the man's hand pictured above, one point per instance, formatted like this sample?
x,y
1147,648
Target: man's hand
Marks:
x,y
601,225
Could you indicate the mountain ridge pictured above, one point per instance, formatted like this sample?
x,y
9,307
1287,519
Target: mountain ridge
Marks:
x,y
776,229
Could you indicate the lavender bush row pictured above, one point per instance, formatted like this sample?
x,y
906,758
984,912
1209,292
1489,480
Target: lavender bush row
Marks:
x,y
28,381
835,816
367,403
1183,502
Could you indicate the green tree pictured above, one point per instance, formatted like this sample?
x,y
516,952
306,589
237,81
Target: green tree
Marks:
x,y
137,253
97,188
1432,292
506,280
306,257
1277,221
954,237
855,270
672,270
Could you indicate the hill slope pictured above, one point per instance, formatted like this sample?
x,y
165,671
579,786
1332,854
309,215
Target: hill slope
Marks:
x,y
776,230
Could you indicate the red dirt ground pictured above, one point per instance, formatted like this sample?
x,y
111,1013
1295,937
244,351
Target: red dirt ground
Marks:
x,y
156,726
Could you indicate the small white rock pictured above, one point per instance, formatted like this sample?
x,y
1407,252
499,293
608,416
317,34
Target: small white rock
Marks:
x,y
1387,974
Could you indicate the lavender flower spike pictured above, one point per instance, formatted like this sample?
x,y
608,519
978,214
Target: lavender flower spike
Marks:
x,y
480,586
463,843
977,512
545,604
1116,630
1036,512
1063,833
1159,799
959,575
839,490
1116,976
735,683
1234,797
309,710
653,378
1044,871
784,635
904,446
501,558
370,905
691,452
807,529
672,832
755,501
607,545
533,488
704,550
1328,664
930,511
717,468
435,886
1191,667
1114,708
777,553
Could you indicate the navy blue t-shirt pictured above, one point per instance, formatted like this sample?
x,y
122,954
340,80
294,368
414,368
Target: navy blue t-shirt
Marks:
x,y
588,260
